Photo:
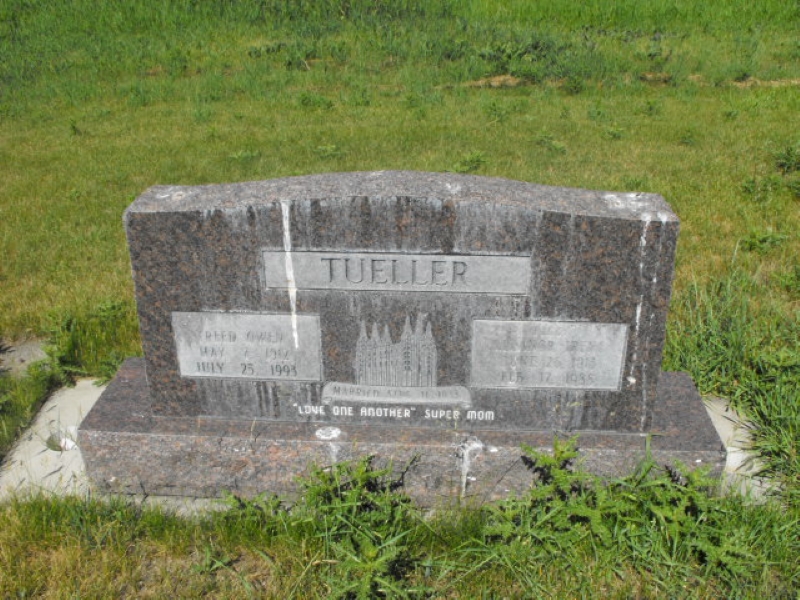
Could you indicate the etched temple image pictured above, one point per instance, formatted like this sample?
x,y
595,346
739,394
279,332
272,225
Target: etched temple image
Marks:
x,y
409,362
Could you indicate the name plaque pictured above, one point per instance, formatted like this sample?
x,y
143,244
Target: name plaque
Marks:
x,y
248,346
548,355
466,274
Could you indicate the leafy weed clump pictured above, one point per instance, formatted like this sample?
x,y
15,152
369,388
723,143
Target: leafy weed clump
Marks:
x,y
358,531
366,528
654,517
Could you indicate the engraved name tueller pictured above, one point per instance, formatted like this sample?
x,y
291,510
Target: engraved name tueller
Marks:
x,y
396,271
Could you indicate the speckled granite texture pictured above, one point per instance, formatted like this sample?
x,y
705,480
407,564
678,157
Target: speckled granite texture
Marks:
x,y
128,450
542,310
595,257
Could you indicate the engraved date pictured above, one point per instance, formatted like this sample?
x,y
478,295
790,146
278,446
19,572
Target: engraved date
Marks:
x,y
275,370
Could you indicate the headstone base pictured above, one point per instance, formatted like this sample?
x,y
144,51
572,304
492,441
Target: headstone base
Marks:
x,y
129,451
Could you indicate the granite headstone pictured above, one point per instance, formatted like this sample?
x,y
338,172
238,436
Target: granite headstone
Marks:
x,y
441,317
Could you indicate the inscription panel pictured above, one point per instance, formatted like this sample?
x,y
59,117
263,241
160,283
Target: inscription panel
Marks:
x,y
434,396
248,346
467,274
548,355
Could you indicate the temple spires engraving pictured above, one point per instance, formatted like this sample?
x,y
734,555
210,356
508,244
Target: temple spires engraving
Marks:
x,y
411,361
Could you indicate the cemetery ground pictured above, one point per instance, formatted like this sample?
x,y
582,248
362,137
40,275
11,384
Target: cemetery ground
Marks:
x,y
694,102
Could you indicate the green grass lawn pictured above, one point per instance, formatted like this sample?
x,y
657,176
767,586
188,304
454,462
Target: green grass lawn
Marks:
x,y
695,101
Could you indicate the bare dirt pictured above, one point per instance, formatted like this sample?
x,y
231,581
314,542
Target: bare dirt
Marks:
x,y
17,355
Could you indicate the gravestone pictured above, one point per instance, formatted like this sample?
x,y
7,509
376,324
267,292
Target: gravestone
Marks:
x,y
438,319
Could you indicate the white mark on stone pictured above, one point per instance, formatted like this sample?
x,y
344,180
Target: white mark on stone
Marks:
x,y
453,188
291,284
328,433
646,220
465,452
333,452
630,201
636,326
631,381
639,312
643,420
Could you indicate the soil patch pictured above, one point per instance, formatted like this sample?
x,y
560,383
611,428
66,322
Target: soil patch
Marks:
x,y
17,355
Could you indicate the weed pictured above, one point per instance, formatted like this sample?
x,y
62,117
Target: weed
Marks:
x,y
652,107
614,133
596,112
635,182
787,160
265,49
365,525
470,163
213,560
790,280
688,137
496,112
762,241
546,140
761,189
574,85
264,513
533,57
314,100
299,54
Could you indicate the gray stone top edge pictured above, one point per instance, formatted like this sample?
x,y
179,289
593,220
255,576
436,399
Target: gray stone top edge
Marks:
x,y
399,184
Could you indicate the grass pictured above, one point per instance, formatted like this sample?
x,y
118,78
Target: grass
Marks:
x,y
352,534
691,100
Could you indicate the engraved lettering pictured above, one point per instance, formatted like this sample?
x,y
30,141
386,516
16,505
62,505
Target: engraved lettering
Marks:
x,y
446,415
395,279
264,337
480,415
360,271
377,271
248,345
212,351
414,279
399,271
548,355
459,271
330,267
437,272
220,337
